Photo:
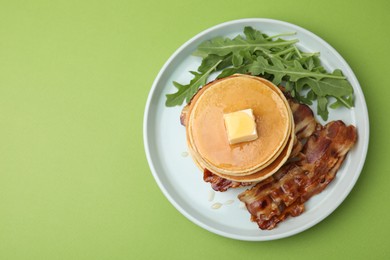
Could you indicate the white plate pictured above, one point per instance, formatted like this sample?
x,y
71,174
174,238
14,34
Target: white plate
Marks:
x,y
181,181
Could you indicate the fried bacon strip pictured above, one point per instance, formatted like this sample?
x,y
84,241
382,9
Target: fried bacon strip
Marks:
x,y
284,194
304,120
222,184
183,115
305,125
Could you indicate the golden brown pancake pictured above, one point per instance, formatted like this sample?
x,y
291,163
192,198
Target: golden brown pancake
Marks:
x,y
206,134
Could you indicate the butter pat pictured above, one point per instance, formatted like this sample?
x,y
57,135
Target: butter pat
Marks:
x,y
240,126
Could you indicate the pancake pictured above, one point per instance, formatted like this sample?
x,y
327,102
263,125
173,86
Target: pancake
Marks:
x,y
272,165
206,134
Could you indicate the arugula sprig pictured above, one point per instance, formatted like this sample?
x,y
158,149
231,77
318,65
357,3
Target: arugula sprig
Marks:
x,y
273,58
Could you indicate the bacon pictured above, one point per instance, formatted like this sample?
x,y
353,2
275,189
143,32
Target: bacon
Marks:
x,y
184,114
284,194
222,184
304,120
305,125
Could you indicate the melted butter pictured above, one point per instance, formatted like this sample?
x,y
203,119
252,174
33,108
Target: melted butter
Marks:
x,y
240,126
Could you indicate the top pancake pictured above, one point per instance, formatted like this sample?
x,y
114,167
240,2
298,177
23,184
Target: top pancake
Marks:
x,y
206,130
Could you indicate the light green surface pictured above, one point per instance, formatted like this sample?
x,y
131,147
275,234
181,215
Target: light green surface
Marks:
x,y
74,181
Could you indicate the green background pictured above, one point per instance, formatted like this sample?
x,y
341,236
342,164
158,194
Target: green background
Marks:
x,y
74,180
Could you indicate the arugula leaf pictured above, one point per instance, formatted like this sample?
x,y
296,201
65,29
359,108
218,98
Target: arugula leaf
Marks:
x,y
273,58
237,59
230,71
186,92
322,110
253,35
336,87
340,89
280,70
212,59
343,101
258,66
222,47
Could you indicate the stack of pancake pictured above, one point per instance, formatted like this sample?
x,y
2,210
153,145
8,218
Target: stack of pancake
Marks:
x,y
246,161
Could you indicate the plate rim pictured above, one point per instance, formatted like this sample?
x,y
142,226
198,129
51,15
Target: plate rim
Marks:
x,y
346,192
